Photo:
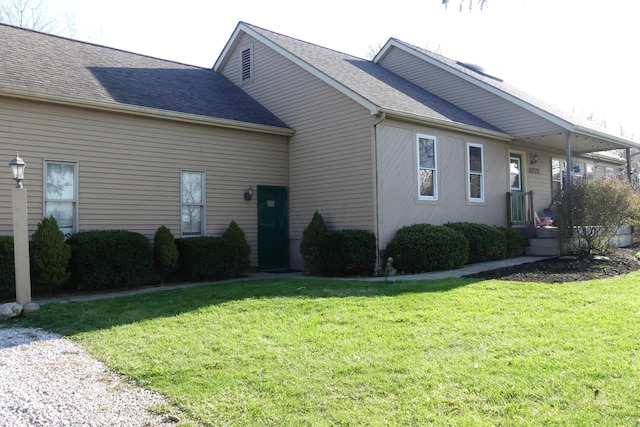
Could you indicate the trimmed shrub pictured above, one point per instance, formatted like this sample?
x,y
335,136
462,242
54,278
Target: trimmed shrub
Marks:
x,y
236,236
346,253
516,241
207,258
311,237
486,243
7,268
50,254
592,211
165,252
425,247
106,259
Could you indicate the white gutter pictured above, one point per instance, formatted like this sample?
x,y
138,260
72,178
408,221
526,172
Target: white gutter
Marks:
x,y
145,112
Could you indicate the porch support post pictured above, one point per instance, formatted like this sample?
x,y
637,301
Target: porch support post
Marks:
x,y
627,151
567,148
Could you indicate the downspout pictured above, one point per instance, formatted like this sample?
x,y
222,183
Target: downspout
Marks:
x,y
381,118
567,148
627,151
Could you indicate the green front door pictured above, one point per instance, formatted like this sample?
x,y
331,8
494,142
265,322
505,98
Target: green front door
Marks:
x,y
273,228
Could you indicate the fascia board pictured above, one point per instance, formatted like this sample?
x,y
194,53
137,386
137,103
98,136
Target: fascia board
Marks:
x,y
373,108
226,51
146,112
590,133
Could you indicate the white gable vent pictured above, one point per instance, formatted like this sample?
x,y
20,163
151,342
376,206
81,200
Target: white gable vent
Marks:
x,y
247,63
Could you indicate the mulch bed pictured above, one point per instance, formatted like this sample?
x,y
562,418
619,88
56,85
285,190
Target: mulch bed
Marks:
x,y
569,268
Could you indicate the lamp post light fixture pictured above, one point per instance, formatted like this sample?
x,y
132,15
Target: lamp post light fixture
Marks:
x,y
20,233
17,168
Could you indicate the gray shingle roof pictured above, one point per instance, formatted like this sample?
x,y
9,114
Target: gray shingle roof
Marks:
x,y
51,65
511,90
373,82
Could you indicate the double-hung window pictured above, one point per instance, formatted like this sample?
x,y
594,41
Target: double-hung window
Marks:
x,y
558,171
192,186
475,172
427,168
590,172
61,194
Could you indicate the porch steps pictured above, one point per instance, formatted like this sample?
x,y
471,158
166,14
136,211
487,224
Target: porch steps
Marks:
x,y
545,243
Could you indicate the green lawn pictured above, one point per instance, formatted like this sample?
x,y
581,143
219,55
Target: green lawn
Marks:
x,y
459,352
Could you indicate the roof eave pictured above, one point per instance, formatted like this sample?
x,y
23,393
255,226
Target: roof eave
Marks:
x,y
447,125
591,133
146,112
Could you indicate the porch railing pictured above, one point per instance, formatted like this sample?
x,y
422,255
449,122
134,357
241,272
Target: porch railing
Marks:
x,y
520,209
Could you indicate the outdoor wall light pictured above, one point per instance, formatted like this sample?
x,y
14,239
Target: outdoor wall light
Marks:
x,y
534,159
17,168
248,194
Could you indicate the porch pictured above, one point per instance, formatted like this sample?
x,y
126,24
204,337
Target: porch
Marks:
x,y
544,240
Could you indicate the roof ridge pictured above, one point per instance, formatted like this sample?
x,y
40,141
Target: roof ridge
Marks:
x,y
256,27
97,45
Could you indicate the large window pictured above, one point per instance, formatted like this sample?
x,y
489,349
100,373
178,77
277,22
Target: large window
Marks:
x,y
192,204
475,171
61,194
427,168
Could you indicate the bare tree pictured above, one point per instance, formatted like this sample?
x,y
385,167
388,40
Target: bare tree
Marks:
x,y
481,3
33,14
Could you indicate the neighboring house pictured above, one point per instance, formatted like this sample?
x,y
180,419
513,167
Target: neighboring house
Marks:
x,y
118,140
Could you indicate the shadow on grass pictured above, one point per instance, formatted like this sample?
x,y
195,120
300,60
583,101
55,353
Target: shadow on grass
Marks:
x,y
77,317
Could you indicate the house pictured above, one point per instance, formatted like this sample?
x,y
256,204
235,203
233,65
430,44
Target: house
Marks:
x,y
114,139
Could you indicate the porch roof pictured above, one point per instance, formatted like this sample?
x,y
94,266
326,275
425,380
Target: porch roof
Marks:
x,y
530,120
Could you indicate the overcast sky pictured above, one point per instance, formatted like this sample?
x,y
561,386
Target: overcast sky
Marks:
x,y
578,54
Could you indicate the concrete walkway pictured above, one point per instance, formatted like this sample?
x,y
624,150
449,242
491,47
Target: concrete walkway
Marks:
x,y
462,271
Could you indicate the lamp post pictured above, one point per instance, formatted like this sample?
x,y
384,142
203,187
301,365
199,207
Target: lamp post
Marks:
x,y
20,233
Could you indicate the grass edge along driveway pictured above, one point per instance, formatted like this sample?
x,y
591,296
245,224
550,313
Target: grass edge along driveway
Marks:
x,y
295,352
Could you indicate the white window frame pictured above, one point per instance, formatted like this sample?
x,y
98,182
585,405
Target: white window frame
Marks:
x,y
475,173
248,78
589,172
609,173
562,165
434,170
73,199
202,204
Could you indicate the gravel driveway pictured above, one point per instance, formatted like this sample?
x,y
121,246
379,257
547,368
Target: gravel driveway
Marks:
x,y
47,380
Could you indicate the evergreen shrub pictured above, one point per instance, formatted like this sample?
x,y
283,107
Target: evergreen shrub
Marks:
x,y
311,237
50,255
486,243
515,241
105,259
346,253
165,252
235,235
420,248
7,268
207,258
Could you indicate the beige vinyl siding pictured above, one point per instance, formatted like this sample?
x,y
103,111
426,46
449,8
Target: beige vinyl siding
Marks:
x,y
505,115
129,167
398,202
331,152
